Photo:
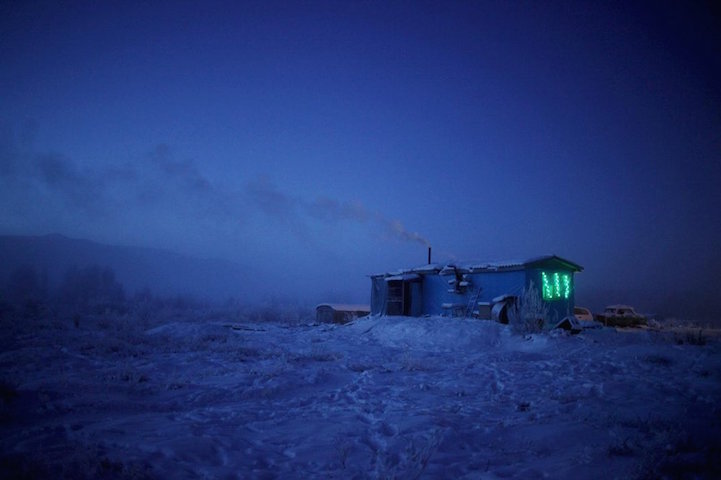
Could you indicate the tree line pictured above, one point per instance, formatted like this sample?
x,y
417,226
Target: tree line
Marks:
x,y
92,287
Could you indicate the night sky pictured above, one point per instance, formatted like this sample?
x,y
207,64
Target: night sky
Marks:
x,y
321,142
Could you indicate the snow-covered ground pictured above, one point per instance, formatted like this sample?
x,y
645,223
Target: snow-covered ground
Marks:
x,y
379,398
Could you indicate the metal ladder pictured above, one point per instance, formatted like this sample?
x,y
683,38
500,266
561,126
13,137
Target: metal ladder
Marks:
x,y
472,303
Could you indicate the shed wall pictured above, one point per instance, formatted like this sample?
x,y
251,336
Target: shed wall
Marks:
x,y
557,309
494,284
417,298
431,291
379,292
435,293
435,289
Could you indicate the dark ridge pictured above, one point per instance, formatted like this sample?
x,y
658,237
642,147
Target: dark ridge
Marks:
x,y
163,272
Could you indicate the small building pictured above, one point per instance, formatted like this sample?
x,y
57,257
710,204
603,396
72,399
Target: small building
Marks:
x,y
339,313
481,290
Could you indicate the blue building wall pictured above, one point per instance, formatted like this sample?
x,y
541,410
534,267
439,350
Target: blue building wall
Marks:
x,y
427,291
435,293
435,289
493,284
416,292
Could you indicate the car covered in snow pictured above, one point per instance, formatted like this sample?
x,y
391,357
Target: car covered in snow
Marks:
x,y
621,316
583,314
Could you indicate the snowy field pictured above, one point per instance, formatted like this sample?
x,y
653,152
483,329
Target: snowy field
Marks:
x,y
216,397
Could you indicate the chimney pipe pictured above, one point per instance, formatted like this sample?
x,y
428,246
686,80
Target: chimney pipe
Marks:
x,y
429,255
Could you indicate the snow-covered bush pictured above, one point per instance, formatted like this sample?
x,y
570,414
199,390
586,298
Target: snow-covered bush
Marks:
x,y
691,337
529,314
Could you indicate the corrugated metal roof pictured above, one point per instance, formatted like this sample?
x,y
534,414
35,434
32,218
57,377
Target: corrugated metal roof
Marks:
x,y
343,307
405,277
474,267
516,264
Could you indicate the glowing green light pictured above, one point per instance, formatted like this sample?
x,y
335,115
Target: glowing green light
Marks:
x,y
547,289
556,285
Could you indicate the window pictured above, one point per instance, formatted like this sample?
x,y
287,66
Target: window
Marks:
x,y
556,286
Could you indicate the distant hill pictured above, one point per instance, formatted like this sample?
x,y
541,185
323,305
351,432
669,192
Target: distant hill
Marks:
x,y
162,271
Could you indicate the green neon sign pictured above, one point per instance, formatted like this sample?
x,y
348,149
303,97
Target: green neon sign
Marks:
x,y
556,286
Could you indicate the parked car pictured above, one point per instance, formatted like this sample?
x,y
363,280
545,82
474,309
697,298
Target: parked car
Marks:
x,y
621,316
583,314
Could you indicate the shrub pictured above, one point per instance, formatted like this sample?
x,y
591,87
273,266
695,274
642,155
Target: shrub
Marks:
x,y
529,314
691,338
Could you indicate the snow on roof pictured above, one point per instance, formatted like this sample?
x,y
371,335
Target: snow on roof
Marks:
x,y
429,268
404,276
517,264
448,270
423,270
345,307
476,267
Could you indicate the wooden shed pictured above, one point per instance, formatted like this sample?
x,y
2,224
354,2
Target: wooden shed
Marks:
x,y
479,289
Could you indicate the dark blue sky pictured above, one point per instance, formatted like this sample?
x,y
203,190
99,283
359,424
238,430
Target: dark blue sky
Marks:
x,y
326,141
